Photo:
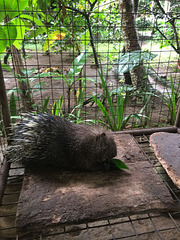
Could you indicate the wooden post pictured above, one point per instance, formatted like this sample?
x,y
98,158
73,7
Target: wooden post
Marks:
x,y
177,122
4,170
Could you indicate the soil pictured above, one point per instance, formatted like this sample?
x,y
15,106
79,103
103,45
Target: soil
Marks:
x,y
54,88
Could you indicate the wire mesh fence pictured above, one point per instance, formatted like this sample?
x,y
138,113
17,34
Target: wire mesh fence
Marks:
x,y
111,63
62,57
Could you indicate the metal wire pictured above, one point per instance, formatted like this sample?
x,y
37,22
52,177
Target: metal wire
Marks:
x,y
60,59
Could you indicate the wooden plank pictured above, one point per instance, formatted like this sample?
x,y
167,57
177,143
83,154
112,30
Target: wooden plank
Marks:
x,y
52,198
167,150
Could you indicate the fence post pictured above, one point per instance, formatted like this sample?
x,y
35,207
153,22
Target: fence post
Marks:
x,y
4,170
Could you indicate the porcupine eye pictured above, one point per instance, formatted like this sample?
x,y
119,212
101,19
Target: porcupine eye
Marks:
x,y
100,137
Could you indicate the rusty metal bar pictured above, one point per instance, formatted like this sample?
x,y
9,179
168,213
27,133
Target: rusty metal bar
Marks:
x,y
136,132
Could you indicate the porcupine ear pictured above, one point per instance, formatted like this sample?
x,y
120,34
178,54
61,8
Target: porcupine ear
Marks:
x,y
100,136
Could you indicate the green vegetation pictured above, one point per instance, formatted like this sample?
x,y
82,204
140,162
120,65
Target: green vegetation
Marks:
x,y
47,25
119,163
171,100
114,113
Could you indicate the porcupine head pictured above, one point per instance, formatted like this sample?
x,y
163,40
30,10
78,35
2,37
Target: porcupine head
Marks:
x,y
97,149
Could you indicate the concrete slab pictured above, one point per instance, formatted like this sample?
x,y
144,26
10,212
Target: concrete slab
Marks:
x,y
167,150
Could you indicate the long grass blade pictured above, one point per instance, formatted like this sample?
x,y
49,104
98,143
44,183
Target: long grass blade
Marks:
x,y
109,99
103,110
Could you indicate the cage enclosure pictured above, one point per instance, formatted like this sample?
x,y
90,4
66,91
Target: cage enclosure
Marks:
x,y
113,65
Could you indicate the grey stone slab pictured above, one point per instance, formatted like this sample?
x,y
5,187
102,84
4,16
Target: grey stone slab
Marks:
x,y
167,150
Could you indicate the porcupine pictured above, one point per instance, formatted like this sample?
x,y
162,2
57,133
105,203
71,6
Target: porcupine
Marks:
x,y
47,140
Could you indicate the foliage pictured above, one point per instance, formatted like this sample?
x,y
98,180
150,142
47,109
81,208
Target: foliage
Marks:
x,y
13,113
74,75
167,24
75,114
114,115
31,78
171,100
130,60
119,163
107,14
18,23
77,110
52,37
57,107
45,105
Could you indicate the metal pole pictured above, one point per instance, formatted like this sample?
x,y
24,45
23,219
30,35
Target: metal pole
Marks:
x,y
138,132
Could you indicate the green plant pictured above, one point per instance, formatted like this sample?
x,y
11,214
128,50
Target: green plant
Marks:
x,y
74,75
114,115
129,60
145,99
171,99
18,23
57,107
75,114
77,110
13,113
45,104
36,85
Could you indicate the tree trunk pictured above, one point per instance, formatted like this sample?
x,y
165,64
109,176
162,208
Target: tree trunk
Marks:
x,y
23,83
131,43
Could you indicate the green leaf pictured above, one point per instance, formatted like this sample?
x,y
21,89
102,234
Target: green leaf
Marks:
x,y
45,104
37,32
11,33
119,111
43,4
2,11
76,67
17,5
3,40
85,37
39,86
32,19
57,107
109,99
15,90
132,59
5,67
119,163
52,37
20,32
29,72
103,110
12,8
